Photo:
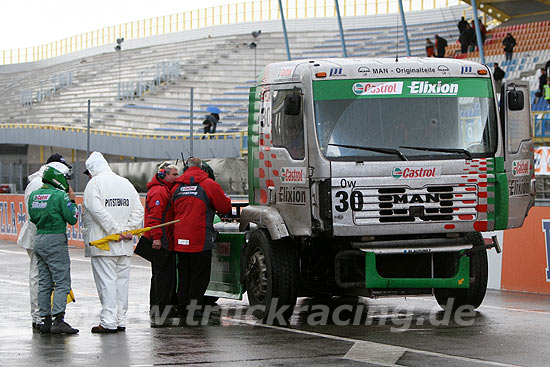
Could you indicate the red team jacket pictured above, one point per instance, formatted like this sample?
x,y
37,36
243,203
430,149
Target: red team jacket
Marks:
x,y
195,199
157,211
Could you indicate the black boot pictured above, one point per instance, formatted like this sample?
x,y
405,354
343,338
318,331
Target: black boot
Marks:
x,y
59,326
46,325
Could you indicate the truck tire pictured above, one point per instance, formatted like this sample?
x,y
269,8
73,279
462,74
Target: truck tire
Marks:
x,y
474,295
270,275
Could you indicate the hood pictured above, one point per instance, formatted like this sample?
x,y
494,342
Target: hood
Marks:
x,y
196,173
158,181
96,164
37,174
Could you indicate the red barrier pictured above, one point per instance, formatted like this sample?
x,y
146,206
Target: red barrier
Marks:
x,y
525,254
12,217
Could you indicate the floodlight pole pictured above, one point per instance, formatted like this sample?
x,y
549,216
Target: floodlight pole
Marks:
x,y
284,29
404,24
478,33
344,51
191,122
88,132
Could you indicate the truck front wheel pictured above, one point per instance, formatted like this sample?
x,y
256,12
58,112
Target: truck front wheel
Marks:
x,y
270,276
474,295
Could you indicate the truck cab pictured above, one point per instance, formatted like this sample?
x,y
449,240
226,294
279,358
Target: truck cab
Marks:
x,y
376,176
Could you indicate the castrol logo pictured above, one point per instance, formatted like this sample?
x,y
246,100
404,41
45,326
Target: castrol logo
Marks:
x,y
377,88
416,172
292,175
521,167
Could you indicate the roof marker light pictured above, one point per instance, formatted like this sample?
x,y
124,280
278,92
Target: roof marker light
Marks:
x,y
321,75
482,71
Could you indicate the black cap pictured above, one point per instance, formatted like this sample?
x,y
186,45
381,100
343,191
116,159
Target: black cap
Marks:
x,y
58,158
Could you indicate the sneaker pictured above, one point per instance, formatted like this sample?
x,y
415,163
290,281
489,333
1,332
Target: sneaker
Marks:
x,y
59,326
102,330
46,325
36,326
121,328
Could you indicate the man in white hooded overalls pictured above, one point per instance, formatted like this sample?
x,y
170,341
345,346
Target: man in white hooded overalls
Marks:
x,y
111,205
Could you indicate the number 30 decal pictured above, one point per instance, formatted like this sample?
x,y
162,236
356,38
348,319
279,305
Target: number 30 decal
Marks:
x,y
345,201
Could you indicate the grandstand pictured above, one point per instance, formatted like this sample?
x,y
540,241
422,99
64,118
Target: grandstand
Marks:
x,y
141,95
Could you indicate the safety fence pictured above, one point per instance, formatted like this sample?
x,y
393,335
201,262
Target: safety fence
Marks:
x,y
248,11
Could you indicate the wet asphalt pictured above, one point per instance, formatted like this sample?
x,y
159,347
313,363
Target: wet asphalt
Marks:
x,y
508,329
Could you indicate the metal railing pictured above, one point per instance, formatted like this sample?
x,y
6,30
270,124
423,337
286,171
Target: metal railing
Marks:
x,y
249,11
243,135
541,126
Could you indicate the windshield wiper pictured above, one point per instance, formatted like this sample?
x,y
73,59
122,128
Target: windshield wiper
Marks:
x,y
444,150
374,149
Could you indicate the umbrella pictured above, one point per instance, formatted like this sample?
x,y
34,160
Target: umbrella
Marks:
x,y
213,109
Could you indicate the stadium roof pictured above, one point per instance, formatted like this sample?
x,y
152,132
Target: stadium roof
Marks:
x,y
515,11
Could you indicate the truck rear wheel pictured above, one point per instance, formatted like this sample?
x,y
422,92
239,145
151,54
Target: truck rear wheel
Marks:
x,y
478,278
270,275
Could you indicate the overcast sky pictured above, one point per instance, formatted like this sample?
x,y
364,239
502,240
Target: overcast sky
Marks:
x,y
27,23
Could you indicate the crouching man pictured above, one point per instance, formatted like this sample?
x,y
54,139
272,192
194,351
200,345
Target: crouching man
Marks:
x,y
51,207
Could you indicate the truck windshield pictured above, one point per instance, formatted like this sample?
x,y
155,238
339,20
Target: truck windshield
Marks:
x,y
439,118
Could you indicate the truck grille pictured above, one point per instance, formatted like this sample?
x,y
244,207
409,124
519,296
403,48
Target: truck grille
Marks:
x,y
428,204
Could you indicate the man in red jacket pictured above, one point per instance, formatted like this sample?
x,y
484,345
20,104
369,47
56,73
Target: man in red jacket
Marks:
x,y
163,262
195,199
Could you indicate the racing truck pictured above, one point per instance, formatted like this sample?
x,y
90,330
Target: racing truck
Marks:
x,y
375,177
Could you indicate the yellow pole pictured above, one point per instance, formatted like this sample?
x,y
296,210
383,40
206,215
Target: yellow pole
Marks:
x,y
191,20
286,8
296,8
212,17
236,13
305,8
18,57
4,57
150,26
125,30
261,11
244,11
221,11
315,8
132,30
184,20
345,7
157,27
26,53
325,8
228,13
163,24
269,18
252,10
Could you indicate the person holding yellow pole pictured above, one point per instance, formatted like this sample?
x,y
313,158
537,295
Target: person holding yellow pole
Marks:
x,y
111,205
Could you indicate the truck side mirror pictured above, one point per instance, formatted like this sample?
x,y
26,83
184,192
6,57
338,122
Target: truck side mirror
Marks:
x,y
293,104
515,100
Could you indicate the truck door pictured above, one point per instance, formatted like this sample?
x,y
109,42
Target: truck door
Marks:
x,y
519,162
288,183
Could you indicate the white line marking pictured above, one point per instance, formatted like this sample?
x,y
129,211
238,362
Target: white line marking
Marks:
x,y
494,307
72,259
375,347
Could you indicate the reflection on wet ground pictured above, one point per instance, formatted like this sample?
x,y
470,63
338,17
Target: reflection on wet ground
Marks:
x,y
508,329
